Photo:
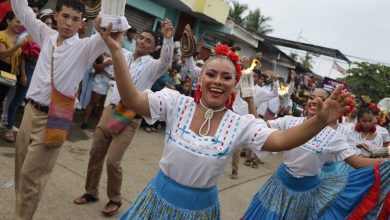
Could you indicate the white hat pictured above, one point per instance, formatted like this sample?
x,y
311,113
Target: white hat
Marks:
x,y
46,11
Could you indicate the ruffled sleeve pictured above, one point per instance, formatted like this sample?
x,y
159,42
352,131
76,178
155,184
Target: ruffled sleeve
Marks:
x,y
254,132
161,104
341,149
280,123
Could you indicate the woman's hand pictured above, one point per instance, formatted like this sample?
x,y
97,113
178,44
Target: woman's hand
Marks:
x,y
112,39
364,146
334,106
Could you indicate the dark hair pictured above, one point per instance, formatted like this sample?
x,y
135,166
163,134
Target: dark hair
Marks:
x,y
176,67
364,110
8,17
132,30
326,91
73,4
257,71
34,4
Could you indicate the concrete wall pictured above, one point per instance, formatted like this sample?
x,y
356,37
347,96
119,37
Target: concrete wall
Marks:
x,y
245,49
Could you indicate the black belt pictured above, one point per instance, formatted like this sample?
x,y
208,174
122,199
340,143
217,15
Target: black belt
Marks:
x,y
137,116
39,107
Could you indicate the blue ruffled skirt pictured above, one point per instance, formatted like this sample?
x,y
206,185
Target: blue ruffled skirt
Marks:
x,y
164,199
338,168
328,197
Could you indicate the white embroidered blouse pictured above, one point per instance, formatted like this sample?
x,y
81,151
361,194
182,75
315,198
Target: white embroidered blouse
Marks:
x,y
307,160
355,138
197,161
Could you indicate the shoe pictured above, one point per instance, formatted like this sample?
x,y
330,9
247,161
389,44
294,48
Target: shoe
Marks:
x,y
255,165
86,198
234,175
148,129
247,163
111,208
84,125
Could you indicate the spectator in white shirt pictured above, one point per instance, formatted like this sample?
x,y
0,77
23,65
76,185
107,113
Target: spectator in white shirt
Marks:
x,y
144,71
68,56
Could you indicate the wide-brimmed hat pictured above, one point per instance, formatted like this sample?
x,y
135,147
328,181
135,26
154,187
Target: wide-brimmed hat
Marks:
x,y
187,42
92,8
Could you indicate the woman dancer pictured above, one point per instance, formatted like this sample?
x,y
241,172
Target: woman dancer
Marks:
x,y
296,191
30,53
364,134
202,133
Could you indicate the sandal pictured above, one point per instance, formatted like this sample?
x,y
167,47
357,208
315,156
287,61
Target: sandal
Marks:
x,y
9,136
148,129
86,198
111,208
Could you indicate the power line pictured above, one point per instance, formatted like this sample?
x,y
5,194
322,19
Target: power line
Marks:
x,y
322,57
383,62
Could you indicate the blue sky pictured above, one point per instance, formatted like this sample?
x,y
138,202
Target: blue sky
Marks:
x,y
355,27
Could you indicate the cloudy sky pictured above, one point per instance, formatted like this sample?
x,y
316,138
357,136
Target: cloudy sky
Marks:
x,y
355,27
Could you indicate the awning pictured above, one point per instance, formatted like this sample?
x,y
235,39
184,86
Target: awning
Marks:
x,y
307,47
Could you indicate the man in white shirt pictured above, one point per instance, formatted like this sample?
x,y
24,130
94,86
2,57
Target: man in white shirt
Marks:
x,y
70,56
145,71
266,92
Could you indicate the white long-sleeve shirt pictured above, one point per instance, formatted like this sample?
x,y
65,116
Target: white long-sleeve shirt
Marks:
x,y
145,70
267,93
71,59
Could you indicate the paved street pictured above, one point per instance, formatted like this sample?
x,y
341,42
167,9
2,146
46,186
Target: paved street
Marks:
x,y
140,164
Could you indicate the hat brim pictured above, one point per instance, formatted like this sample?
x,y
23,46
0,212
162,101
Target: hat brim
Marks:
x,y
187,42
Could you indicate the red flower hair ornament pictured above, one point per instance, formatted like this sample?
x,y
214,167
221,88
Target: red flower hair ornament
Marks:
x,y
224,50
374,108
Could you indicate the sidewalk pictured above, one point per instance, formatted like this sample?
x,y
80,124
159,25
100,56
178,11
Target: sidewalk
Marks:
x,y
139,165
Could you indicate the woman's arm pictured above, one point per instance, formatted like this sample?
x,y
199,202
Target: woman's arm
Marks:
x,y
99,67
7,52
251,106
327,113
360,162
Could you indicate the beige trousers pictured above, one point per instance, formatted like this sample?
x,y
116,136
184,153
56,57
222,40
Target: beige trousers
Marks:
x,y
34,162
114,146
236,159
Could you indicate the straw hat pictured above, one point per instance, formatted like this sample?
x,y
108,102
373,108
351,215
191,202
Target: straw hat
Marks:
x,y
187,42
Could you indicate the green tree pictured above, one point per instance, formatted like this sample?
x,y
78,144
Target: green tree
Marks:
x,y
369,79
294,56
258,23
236,12
307,61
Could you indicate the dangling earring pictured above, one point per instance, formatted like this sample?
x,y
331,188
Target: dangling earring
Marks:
x,y
373,128
358,127
198,94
